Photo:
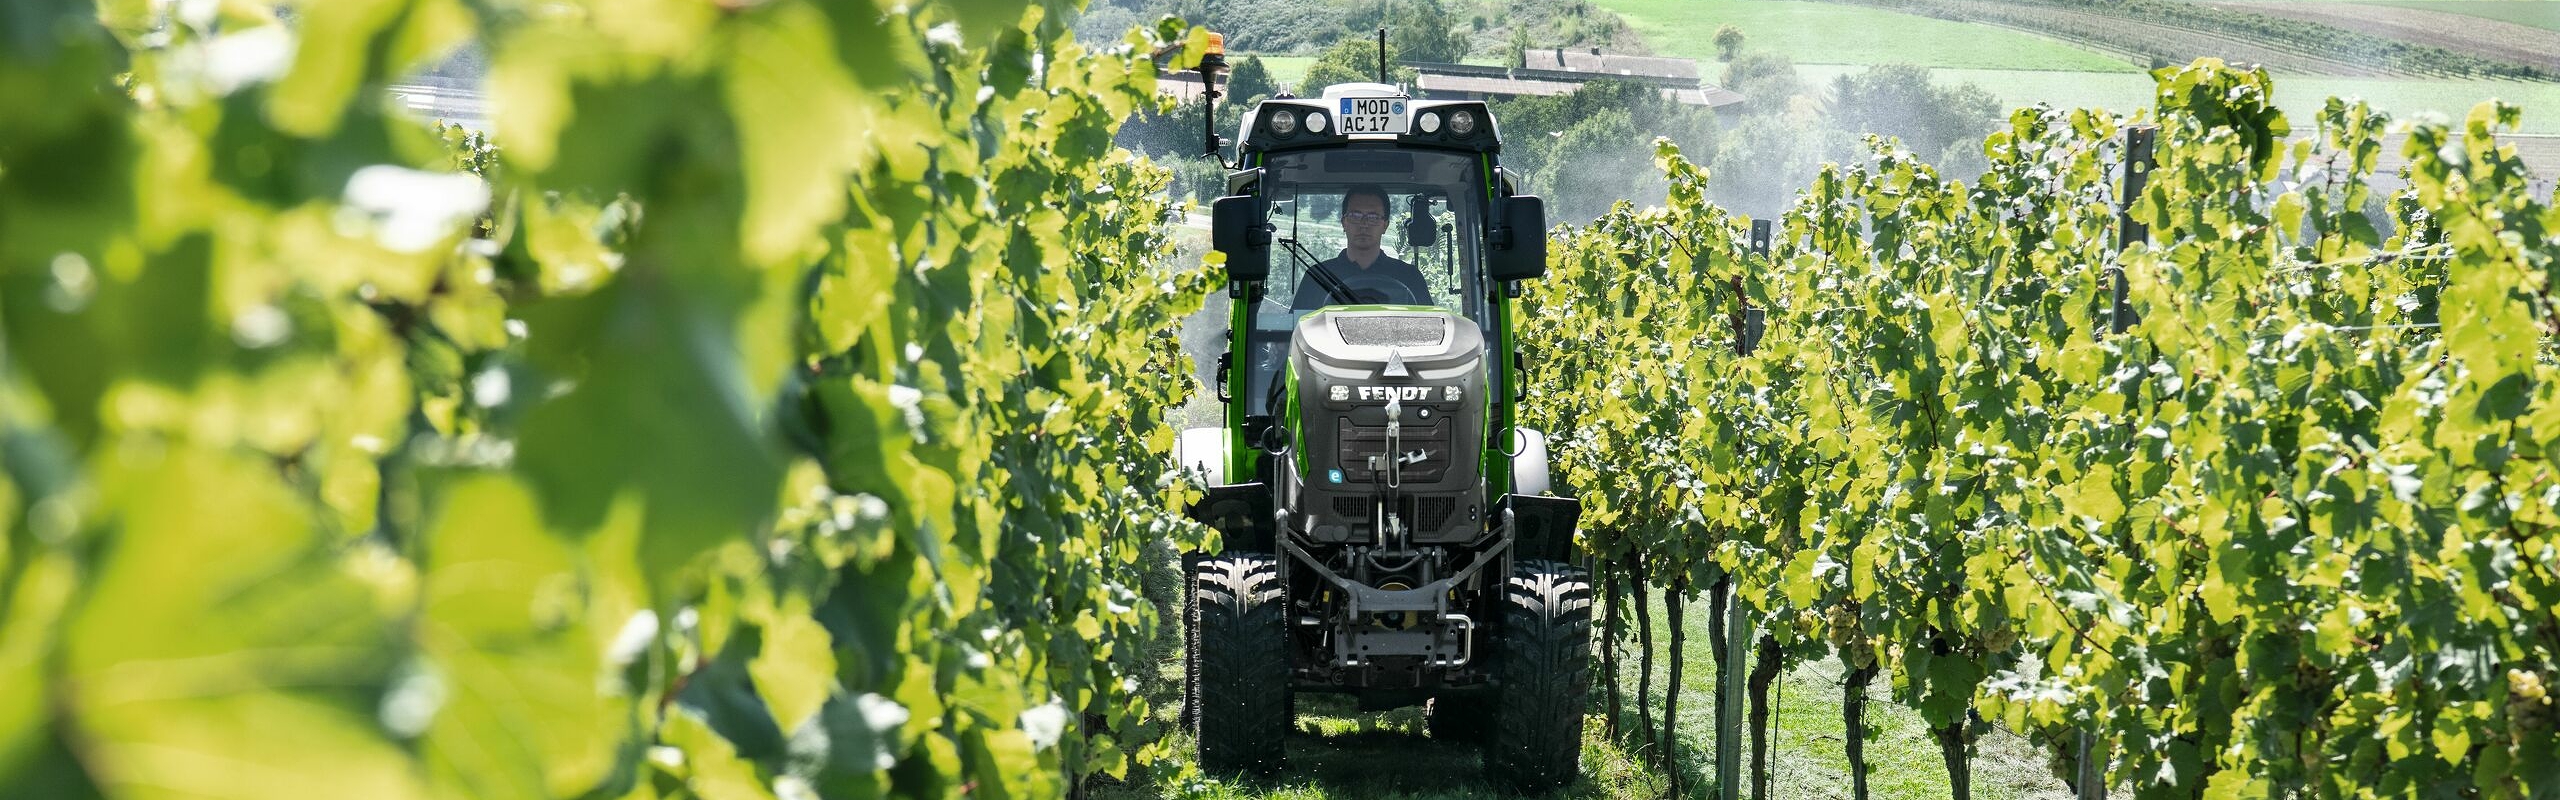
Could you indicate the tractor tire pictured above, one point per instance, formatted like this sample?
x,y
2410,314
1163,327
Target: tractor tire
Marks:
x,y
1460,718
1542,677
1240,659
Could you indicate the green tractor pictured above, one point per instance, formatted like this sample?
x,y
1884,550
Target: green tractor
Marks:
x,y
1389,530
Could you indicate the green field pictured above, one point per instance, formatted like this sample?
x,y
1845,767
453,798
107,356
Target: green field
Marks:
x,y
2544,14
1285,70
2300,95
1829,33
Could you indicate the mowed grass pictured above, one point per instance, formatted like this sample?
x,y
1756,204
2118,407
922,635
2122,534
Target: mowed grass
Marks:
x,y
2301,96
2544,14
1831,33
1809,752
1336,752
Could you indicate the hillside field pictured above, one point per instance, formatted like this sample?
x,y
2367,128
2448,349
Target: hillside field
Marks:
x,y
2299,95
2544,14
1827,33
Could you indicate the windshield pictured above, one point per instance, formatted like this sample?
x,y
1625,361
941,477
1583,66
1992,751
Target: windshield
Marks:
x,y
1388,226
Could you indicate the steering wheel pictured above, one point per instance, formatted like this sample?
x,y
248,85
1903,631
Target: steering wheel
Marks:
x,y
1374,287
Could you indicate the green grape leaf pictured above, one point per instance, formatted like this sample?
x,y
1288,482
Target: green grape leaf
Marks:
x,y
795,673
219,612
514,651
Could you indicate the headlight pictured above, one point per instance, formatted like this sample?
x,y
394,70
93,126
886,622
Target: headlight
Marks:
x,y
1463,122
1284,122
1315,122
1339,393
1430,122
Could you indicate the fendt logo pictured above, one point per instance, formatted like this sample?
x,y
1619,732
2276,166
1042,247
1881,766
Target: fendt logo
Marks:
x,y
1395,392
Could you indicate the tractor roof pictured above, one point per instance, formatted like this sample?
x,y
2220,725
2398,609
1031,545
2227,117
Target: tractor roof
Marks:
x,y
1367,112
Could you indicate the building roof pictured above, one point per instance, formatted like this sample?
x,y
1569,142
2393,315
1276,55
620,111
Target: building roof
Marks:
x,y
1435,84
1595,62
1184,85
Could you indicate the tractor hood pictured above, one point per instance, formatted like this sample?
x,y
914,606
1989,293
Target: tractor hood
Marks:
x,y
1352,366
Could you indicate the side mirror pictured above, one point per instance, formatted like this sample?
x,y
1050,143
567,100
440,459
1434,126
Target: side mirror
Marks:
x,y
1524,254
1418,228
1238,227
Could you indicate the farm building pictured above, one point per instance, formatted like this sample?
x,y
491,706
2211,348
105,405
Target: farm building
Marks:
x,y
1184,85
1555,71
1595,62
1550,71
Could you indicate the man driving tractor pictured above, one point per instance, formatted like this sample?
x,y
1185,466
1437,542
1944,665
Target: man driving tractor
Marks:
x,y
1374,276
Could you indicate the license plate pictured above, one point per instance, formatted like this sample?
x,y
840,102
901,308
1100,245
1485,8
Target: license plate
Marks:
x,y
1373,115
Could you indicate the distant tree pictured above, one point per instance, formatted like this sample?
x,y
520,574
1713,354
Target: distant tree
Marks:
x,y
1555,136
1728,42
1250,82
1106,23
1761,161
1594,163
1900,100
1767,81
1353,59
1423,30
1515,51
1169,134
1271,26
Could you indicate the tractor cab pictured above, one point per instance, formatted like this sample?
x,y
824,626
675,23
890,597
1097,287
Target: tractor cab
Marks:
x,y
1420,181
1388,528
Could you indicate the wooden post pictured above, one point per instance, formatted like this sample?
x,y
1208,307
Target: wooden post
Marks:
x,y
1739,632
2137,174
1612,623
1638,576
1853,715
2089,778
1748,322
1675,605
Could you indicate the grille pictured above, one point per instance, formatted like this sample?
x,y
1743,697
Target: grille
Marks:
x,y
1358,442
1432,513
1353,509
1426,513
1392,331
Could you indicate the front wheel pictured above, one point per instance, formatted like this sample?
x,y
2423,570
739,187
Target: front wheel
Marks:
x,y
1542,677
1239,661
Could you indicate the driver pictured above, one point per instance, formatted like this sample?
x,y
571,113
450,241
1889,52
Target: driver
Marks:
x,y
1372,275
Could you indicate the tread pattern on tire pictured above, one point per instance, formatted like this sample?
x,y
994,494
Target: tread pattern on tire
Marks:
x,y
1542,677
1240,653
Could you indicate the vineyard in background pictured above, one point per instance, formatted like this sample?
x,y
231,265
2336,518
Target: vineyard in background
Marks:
x,y
780,418
2176,32
2237,486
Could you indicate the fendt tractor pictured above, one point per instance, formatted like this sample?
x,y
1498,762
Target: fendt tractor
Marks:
x,y
1388,527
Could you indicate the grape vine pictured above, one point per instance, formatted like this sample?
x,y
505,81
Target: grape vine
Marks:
x,y
2292,531
773,410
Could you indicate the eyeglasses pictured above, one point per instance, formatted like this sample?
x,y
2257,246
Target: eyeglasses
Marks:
x,y
1364,217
